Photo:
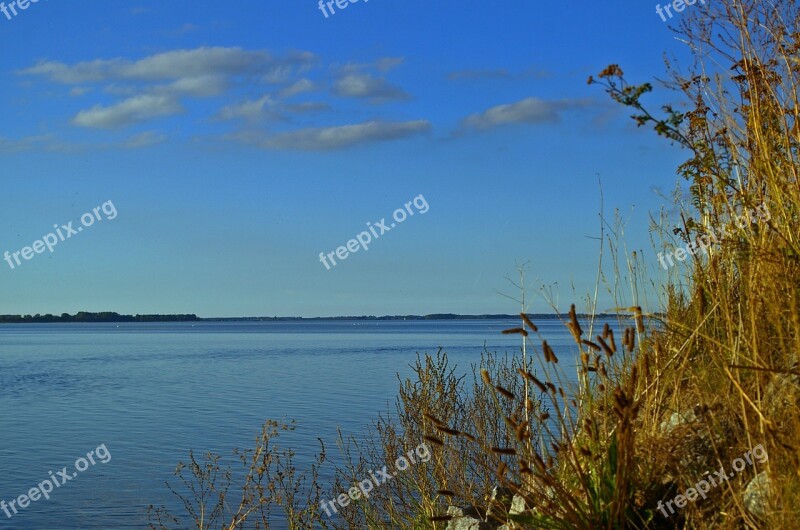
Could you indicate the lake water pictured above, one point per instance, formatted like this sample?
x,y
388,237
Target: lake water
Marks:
x,y
150,392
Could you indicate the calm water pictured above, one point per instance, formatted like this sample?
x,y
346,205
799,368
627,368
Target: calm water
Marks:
x,y
151,392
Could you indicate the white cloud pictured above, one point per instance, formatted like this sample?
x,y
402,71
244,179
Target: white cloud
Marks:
x,y
158,85
341,137
83,72
201,86
153,86
384,64
530,110
39,144
129,111
360,85
298,87
145,139
171,65
28,143
250,110
294,62
195,63
51,143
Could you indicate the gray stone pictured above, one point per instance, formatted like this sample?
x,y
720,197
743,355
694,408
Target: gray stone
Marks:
x,y
457,511
676,420
462,521
693,445
517,505
467,519
757,493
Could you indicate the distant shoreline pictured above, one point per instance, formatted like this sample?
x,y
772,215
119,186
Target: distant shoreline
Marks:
x,y
111,317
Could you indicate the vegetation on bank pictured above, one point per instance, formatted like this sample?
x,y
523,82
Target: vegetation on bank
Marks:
x,y
655,409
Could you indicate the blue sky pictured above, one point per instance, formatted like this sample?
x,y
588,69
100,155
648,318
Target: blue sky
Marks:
x,y
237,141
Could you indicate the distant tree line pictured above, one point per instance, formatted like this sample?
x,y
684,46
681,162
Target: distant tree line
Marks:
x,y
105,316
436,316
110,316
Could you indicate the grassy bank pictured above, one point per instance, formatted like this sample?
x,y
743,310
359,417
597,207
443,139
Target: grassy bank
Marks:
x,y
685,420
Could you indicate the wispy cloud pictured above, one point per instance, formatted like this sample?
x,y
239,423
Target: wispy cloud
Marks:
x,y
28,143
51,143
158,85
145,139
530,110
154,86
339,137
128,112
294,62
362,85
171,65
202,86
384,64
249,110
298,87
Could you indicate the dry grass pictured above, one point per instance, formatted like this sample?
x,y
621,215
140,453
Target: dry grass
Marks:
x,y
665,400
670,404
